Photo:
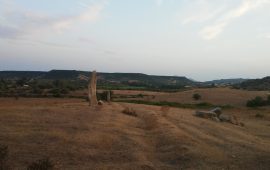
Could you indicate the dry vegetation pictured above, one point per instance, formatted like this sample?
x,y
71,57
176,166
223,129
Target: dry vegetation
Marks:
x,y
129,111
73,136
216,96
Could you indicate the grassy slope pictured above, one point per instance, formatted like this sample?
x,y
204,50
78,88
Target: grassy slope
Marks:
x,y
77,137
214,96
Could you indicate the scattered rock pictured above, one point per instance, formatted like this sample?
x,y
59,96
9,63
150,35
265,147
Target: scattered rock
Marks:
x,y
217,110
100,102
205,114
228,118
216,119
224,118
217,115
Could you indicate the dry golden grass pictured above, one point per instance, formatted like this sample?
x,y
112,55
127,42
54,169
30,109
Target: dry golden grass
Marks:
x,y
77,137
164,110
216,96
130,111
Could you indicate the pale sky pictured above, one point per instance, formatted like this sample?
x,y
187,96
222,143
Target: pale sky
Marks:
x,y
199,39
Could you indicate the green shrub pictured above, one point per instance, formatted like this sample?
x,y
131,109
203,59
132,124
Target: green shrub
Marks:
x,y
196,96
55,92
140,95
45,85
21,82
64,91
37,90
3,157
202,105
42,164
103,96
257,102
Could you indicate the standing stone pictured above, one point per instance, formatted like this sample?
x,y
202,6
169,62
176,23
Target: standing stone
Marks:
x,y
109,96
92,89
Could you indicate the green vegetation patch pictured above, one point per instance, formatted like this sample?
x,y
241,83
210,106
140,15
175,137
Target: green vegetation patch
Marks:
x,y
258,102
202,105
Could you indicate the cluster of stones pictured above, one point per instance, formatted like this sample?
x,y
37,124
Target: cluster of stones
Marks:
x,y
217,115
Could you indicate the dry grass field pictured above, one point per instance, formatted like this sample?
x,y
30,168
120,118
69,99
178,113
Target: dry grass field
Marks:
x,y
216,96
74,136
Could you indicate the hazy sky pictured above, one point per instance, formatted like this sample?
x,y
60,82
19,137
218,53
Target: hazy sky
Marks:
x,y
200,39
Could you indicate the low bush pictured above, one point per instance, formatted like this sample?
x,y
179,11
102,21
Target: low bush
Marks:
x,y
196,96
3,157
257,102
202,105
42,164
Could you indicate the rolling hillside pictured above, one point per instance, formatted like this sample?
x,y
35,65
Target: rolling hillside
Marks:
x,y
256,84
225,81
131,79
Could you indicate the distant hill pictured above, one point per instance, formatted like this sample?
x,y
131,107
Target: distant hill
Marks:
x,y
130,79
63,74
21,74
225,81
256,84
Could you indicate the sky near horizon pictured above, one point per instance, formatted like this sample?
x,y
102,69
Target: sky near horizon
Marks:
x,y
199,39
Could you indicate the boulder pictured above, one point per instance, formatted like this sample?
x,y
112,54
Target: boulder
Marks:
x,y
215,119
217,110
217,115
228,118
205,114
100,102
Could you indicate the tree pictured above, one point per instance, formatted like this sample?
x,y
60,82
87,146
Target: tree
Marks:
x,y
2,84
258,101
21,82
196,96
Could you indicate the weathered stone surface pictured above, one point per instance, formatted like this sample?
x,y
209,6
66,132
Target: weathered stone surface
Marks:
x,y
205,114
92,89
108,96
228,118
234,120
216,119
100,102
217,110
225,118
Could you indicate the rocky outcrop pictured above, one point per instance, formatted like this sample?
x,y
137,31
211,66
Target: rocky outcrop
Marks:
x,y
217,115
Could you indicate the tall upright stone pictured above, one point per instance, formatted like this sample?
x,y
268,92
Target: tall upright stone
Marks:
x,y
92,89
108,96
